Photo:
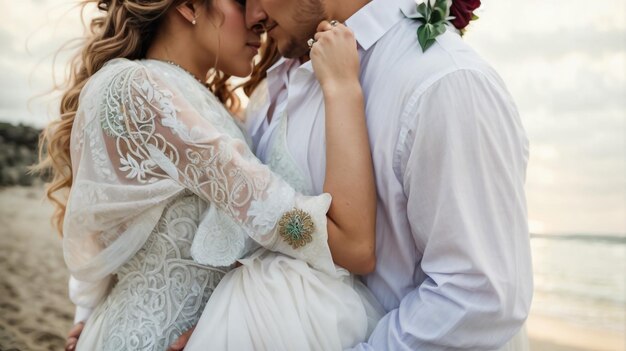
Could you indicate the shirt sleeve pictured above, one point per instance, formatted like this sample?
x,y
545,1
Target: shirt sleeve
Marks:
x,y
463,175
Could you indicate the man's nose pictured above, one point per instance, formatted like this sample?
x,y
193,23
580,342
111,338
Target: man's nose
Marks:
x,y
255,16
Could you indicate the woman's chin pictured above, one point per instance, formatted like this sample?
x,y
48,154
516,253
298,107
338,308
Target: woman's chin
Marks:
x,y
240,72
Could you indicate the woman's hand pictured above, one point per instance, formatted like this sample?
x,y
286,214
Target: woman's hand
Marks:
x,y
182,341
335,57
73,335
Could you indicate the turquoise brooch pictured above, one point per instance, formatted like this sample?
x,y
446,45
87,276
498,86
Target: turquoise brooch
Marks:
x,y
296,228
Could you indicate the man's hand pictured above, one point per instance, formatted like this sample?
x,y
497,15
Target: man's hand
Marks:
x,y
73,335
181,342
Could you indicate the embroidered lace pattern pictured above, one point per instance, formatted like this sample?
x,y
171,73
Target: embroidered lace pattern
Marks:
x,y
156,143
281,162
161,291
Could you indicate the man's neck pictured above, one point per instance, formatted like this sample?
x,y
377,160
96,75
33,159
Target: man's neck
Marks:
x,y
342,10
304,58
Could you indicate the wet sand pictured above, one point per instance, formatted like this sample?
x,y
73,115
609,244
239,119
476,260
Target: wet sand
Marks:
x,y
35,313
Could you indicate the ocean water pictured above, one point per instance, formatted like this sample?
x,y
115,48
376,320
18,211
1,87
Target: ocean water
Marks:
x,y
581,279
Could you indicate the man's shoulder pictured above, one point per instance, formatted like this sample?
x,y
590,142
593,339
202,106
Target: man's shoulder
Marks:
x,y
398,58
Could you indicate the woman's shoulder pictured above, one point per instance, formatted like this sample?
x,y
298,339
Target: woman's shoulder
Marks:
x,y
115,75
109,86
118,64
107,72
119,67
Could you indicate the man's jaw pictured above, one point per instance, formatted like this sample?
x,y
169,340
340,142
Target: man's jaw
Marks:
x,y
288,45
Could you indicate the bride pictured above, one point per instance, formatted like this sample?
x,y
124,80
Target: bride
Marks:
x,y
164,195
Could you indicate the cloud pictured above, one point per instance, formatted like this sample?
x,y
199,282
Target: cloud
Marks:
x,y
6,40
31,32
564,64
521,45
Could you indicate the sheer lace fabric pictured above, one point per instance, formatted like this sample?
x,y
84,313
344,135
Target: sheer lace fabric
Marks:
x,y
160,291
145,134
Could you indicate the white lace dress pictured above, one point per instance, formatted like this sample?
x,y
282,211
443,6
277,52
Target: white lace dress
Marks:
x,y
166,197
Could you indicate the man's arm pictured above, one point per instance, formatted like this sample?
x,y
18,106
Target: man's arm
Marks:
x,y
464,180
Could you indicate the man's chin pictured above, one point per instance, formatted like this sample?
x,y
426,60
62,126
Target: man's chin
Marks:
x,y
291,49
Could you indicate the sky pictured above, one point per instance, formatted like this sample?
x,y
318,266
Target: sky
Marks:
x,y
564,62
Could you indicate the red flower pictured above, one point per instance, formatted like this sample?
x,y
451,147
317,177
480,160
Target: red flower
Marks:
x,y
463,11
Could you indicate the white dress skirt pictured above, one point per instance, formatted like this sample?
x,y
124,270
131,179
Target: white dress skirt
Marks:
x,y
274,302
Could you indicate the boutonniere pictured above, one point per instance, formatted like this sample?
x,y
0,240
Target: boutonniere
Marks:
x,y
434,15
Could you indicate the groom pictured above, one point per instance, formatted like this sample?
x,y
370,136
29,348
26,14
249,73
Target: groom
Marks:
x,y
450,153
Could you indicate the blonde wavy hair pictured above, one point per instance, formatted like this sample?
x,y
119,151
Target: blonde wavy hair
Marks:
x,y
124,29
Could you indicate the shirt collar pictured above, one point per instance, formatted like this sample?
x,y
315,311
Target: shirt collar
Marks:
x,y
275,80
373,20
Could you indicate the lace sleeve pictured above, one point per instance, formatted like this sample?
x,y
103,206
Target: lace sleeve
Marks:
x,y
152,132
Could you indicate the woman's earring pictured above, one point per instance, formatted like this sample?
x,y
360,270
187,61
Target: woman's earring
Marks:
x,y
194,20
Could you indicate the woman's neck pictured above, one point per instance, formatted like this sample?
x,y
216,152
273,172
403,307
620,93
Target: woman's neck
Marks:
x,y
178,52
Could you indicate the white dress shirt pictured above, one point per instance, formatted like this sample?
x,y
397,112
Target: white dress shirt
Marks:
x,y
450,153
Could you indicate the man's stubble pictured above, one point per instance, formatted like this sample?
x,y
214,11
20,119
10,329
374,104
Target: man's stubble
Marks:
x,y
308,15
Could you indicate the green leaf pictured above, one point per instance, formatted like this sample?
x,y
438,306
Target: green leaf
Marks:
x,y
434,14
442,4
439,29
474,17
425,36
438,15
423,10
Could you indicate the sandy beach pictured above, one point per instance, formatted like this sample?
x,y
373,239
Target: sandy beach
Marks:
x,y
35,312
553,334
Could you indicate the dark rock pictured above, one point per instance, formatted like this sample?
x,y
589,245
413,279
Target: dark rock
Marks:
x,y
25,178
9,151
18,151
10,176
23,155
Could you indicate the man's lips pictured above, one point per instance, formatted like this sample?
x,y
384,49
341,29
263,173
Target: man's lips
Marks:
x,y
256,45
